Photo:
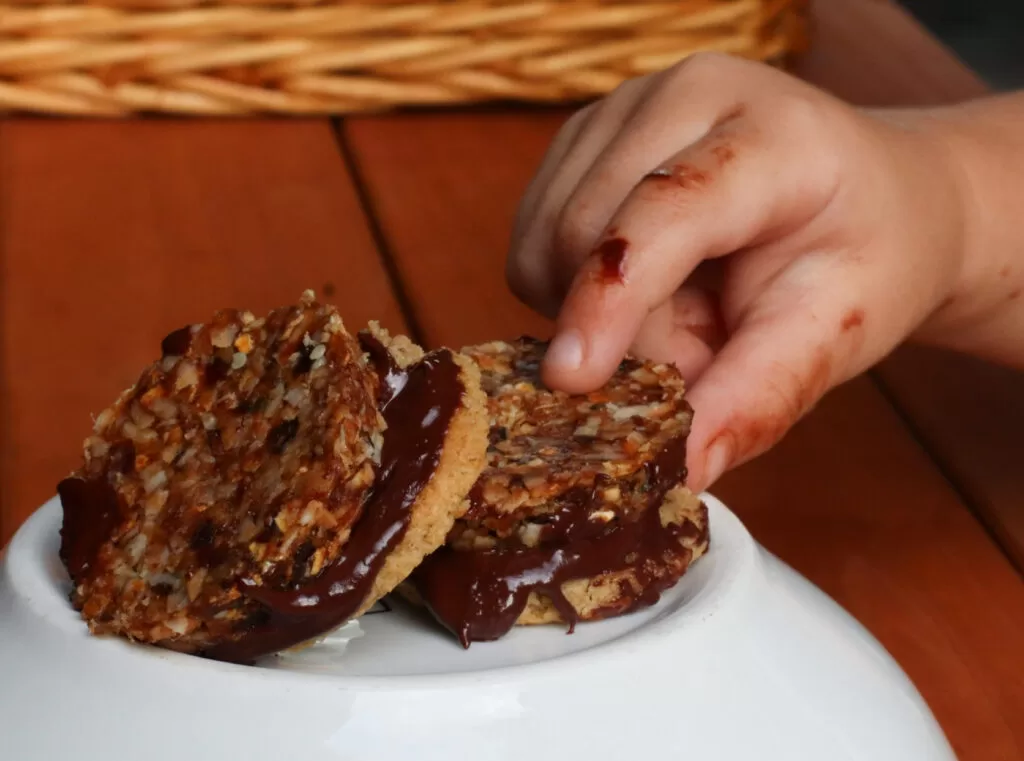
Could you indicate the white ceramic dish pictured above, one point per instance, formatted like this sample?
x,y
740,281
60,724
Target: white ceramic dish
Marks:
x,y
744,659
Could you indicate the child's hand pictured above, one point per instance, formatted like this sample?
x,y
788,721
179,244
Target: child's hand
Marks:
x,y
769,239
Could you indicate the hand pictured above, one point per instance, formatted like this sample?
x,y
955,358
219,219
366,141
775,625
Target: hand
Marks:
x,y
767,238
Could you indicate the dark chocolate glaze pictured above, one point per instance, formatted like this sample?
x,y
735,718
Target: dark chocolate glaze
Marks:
x,y
392,377
177,342
216,370
612,254
91,513
417,418
479,595
561,526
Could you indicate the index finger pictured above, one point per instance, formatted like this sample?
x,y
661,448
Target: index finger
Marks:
x,y
726,192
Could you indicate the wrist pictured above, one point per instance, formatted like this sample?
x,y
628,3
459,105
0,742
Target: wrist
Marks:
x,y
965,164
984,158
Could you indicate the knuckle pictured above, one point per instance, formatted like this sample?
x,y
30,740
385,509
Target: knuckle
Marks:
x,y
702,65
802,113
673,197
577,125
577,119
623,89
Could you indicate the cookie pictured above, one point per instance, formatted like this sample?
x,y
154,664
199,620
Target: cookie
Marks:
x,y
254,489
445,470
581,511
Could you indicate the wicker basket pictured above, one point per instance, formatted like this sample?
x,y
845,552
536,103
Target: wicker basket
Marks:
x,y
119,57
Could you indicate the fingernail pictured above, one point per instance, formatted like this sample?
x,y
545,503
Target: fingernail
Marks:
x,y
716,462
565,354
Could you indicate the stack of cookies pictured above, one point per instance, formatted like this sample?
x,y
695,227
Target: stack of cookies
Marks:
x,y
268,479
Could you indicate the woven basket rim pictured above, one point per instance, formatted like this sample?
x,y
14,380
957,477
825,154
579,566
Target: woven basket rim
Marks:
x,y
105,57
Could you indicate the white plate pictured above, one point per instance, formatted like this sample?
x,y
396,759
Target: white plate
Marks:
x,y
743,659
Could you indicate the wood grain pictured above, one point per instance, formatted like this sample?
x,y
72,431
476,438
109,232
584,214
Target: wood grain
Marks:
x,y
970,415
433,183
116,233
849,499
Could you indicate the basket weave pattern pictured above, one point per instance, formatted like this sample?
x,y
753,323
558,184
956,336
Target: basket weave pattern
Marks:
x,y
121,57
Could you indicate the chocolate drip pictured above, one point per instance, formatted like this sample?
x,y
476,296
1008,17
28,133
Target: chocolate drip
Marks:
x,y
612,254
91,513
392,377
569,523
557,527
479,595
177,342
418,417
216,370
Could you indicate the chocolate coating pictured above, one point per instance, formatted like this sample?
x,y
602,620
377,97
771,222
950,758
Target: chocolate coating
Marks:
x,y
417,417
225,466
91,513
479,594
392,377
176,342
612,254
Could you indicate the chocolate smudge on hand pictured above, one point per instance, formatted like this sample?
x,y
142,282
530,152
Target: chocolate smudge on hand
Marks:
x,y
685,176
612,255
853,319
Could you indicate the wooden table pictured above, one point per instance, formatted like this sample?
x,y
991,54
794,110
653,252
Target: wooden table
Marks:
x,y
901,495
